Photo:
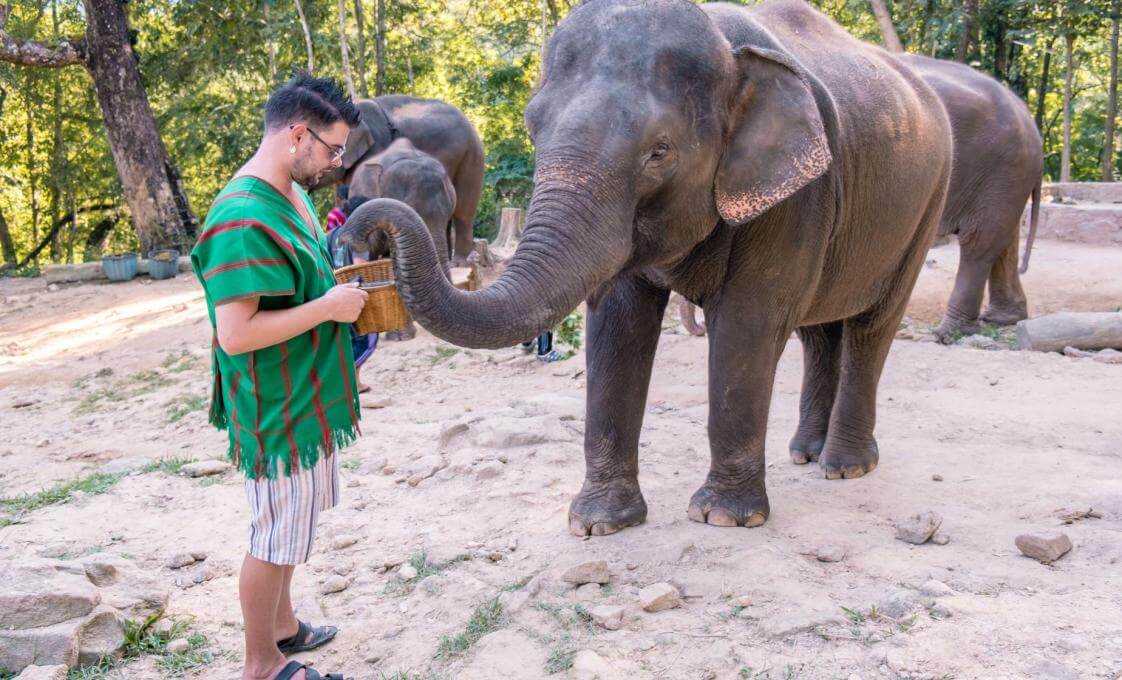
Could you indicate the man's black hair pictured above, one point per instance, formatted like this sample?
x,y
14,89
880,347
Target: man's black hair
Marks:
x,y
318,102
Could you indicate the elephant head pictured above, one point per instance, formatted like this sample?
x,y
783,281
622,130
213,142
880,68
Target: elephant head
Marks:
x,y
413,177
373,134
649,130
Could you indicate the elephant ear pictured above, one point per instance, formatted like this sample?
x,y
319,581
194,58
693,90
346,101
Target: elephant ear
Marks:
x,y
367,180
777,143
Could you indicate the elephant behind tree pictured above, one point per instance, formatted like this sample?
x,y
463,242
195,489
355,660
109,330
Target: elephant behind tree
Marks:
x,y
997,166
758,160
404,173
433,127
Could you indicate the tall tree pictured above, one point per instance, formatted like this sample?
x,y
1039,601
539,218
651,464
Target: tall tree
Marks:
x,y
360,54
1069,71
307,36
887,29
149,181
1112,95
1042,90
347,77
966,34
380,51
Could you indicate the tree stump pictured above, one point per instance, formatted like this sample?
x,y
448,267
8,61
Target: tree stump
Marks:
x,y
1082,330
510,228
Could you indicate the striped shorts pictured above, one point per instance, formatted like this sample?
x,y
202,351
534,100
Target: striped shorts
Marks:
x,y
284,511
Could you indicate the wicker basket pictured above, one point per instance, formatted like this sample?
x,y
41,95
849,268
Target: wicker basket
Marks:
x,y
384,309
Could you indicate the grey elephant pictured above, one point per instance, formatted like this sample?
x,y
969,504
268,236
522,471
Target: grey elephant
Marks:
x,y
433,127
758,160
998,160
415,178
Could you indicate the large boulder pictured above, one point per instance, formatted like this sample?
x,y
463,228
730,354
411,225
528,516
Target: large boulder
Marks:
x,y
42,592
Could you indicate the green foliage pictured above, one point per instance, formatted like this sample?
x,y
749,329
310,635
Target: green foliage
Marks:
x,y
486,618
93,485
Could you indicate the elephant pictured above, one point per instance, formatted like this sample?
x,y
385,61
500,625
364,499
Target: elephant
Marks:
x,y
759,161
435,128
998,163
413,177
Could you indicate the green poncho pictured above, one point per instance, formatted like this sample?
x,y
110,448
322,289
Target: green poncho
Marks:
x,y
295,401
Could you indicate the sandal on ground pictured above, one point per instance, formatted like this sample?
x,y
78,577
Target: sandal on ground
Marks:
x,y
299,642
293,667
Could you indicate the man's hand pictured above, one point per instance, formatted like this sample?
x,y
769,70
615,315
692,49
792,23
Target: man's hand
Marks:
x,y
344,302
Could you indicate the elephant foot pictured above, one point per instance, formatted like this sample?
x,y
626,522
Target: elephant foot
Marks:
x,y
806,448
605,508
950,330
1005,316
723,506
845,461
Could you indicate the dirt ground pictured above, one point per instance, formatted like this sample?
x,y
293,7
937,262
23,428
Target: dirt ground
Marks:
x,y
92,374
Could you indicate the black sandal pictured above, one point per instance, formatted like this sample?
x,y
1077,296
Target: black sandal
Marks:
x,y
294,667
299,642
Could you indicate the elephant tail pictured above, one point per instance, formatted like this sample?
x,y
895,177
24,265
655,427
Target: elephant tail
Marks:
x,y
1034,217
687,313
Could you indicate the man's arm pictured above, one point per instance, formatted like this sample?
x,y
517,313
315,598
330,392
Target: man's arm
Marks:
x,y
242,327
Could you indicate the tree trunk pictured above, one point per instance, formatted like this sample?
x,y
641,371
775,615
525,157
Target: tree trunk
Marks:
x,y
969,9
347,77
1081,330
409,71
887,29
307,36
1112,97
59,167
33,189
270,44
1043,89
1000,61
380,51
151,184
360,55
1065,155
95,240
928,13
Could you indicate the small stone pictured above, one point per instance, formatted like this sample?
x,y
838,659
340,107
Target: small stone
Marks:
x,y
204,468
1077,353
334,584
163,626
898,603
52,287
632,566
179,560
607,616
344,541
589,591
179,646
199,555
373,403
372,657
830,553
936,478
918,528
1044,547
407,573
742,601
388,470
202,574
489,470
1108,356
44,673
941,539
659,596
935,588
125,465
595,571
588,665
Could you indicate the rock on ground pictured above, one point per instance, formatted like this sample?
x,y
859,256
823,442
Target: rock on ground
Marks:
x,y
918,528
588,665
595,571
659,596
204,468
607,616
1044,547
43,673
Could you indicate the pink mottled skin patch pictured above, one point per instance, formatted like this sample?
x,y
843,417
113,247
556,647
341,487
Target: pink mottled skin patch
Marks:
x,y
808,165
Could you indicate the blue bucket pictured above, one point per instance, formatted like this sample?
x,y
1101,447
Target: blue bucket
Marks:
x,y
119,267
163,264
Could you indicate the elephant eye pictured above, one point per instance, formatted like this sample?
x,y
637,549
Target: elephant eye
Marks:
x,y
660,150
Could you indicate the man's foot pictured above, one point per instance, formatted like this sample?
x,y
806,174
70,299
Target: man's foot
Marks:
x,y
306,637
362,387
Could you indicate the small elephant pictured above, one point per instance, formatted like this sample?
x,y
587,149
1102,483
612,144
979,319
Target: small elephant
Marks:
x,y
435,128
998,159
758,160
415,178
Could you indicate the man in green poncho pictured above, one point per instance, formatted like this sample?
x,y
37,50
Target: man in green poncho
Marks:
x,y
284,380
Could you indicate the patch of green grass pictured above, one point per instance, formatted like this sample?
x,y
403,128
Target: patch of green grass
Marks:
x,y
183,405
420,562
95,484
168,466
442,353
749,673
569,332
142,639
179,362
177,665
135,385
486,618
560,658
854,615
351,464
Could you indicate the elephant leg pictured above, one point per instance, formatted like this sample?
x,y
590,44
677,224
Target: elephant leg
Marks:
x,y
1008,303
961,317
469,185
821,362
624,324
851,450
744,348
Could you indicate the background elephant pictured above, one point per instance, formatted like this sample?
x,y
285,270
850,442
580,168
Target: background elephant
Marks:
x,y
434,127
998,161
669,138
413,177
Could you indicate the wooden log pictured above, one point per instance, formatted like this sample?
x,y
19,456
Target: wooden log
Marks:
x,y
510,227
1081,330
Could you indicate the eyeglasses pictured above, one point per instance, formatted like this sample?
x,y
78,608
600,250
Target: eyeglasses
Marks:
x,y
337,151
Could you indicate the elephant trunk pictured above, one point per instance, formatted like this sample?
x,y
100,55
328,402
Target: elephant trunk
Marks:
x,y
576,239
